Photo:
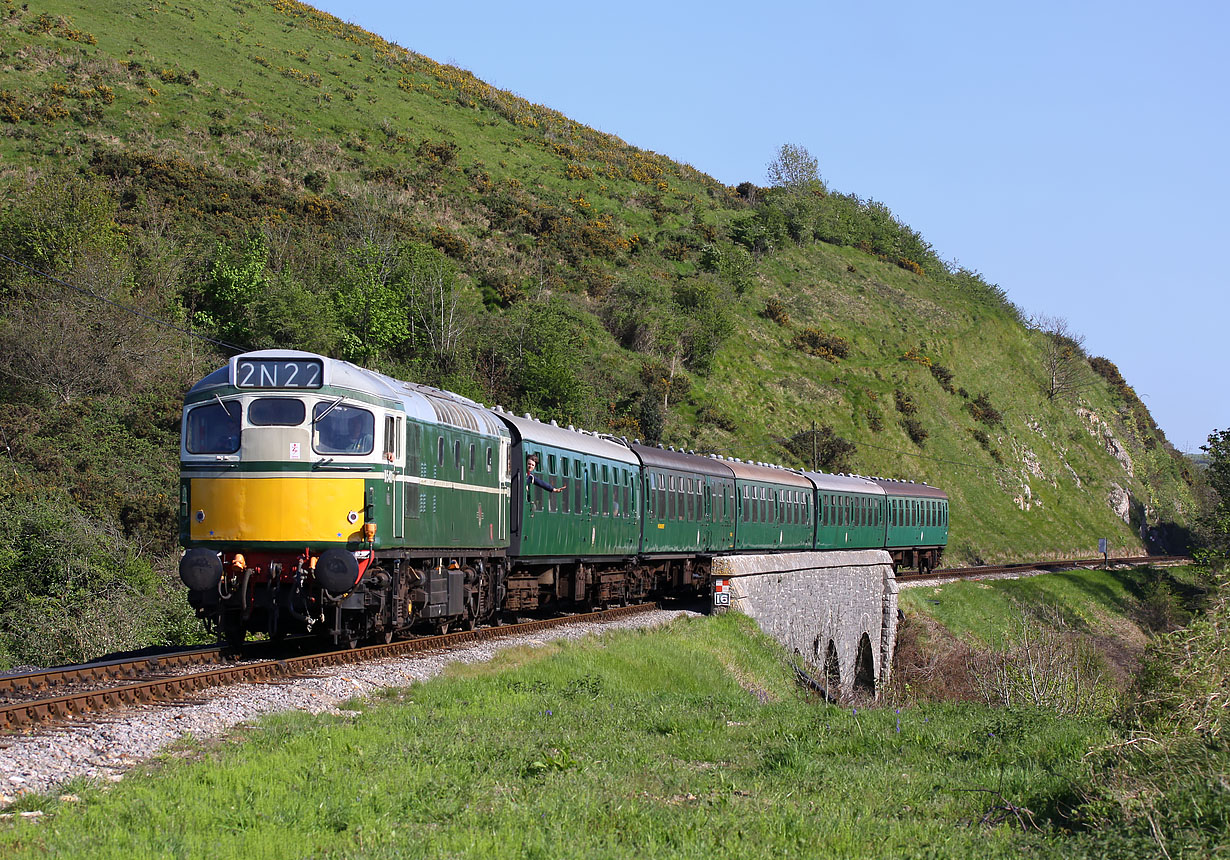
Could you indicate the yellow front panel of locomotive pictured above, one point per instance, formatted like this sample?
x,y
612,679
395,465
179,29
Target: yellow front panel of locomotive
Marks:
x,y
300,509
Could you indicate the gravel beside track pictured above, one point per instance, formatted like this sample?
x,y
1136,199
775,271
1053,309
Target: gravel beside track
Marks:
x,y
104,749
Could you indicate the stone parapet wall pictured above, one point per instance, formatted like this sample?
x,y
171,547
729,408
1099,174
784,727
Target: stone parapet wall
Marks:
x,y
807,600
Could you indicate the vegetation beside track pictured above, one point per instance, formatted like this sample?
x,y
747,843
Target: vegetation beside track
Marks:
x,y
687,741
693,741
1144,652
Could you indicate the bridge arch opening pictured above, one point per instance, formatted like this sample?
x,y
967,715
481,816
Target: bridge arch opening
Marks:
x,y
832,671
865,668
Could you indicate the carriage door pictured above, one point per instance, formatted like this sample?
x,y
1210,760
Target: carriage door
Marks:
x,y
394,468
505,459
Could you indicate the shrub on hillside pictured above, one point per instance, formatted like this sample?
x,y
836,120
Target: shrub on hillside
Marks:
x,y
776,311
905,403
830,347
715,417
1163,785
821,448
943,376
1045,665
915,430
982,439
982,410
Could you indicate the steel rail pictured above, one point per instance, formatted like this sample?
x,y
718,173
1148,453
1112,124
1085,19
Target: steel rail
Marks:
x,y
130,668
1017,567
19,715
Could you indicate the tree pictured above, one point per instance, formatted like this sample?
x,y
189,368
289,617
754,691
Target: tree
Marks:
x,y
1214,524
442,307
795,169
821,449
1063,357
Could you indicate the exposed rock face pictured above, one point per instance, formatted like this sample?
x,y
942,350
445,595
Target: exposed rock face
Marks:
x,y
1120,502
1099,429
1025,500
1075,477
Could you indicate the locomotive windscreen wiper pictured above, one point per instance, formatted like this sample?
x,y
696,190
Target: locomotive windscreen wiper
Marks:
x,y
223,405
328,409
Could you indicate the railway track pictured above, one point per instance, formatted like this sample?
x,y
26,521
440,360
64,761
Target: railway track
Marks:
x,y
985,570
24,704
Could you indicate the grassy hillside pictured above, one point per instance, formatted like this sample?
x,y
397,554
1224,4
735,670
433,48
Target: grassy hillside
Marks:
x,y
266,175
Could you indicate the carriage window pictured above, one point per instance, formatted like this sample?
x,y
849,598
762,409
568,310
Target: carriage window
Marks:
x,y
390,438
457,454
214,428
488,458
579,490
439,450
281,411
342,429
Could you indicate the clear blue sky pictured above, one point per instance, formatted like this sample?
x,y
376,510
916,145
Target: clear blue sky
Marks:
x,y
1075,153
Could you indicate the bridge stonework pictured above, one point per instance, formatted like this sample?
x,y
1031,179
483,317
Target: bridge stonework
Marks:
x,y
820,606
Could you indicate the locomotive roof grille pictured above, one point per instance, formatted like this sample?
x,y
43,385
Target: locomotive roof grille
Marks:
x,y
451,413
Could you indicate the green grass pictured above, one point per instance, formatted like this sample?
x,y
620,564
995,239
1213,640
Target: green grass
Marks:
x,y
1106,603
689,741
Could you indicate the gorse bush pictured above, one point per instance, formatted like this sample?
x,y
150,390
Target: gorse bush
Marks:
x,y
982,410
821,449
943,376
914,429
776,311
904,402
830,347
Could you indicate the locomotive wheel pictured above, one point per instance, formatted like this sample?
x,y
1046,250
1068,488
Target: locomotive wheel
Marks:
x,y
924,566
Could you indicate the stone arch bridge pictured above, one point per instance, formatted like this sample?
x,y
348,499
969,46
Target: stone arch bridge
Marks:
x,y
835,610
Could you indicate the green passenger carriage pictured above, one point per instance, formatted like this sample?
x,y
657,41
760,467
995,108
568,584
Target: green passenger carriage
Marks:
x,y
572,545
849,512
917,523
774,508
